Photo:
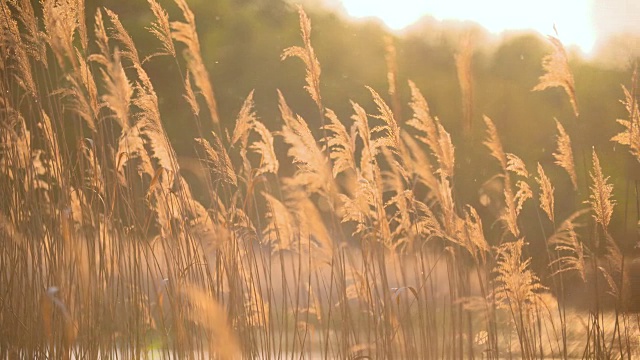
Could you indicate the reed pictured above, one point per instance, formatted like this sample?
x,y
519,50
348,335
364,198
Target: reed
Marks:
x,y
363,251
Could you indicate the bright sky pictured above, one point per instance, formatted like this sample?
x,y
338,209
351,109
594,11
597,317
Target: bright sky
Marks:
x,y
579,22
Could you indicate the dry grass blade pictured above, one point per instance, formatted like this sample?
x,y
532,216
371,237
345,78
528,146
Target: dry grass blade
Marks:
x,y
564,155
557,73
308,56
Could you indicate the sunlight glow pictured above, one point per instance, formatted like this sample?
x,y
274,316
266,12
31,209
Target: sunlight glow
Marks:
x,y
573,18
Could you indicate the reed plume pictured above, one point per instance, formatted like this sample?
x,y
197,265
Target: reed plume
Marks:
x,y
566,242
494,144
246,122
33,38
601,195
82,93
119,34
118,89
161,29
518,290
564,155
281,230
546,197
308,56
12,42
218,160
340,144
389,132
312,166
425,123
630,136
513,203
185,32
189,95
420,166
558,73
60,20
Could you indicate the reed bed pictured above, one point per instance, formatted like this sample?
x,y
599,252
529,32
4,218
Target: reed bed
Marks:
x,y
362,251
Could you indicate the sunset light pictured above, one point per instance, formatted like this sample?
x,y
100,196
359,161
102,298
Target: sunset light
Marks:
x,y
573,18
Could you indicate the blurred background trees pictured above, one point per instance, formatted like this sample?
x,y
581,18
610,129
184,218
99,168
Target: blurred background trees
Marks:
x,y
242,41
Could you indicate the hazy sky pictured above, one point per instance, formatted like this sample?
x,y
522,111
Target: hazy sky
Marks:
x,y
579,22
